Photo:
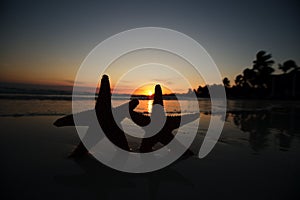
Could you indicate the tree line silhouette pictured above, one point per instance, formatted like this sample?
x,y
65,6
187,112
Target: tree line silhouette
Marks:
x,y
259,82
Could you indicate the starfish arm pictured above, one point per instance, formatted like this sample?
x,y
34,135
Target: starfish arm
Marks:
x,y
124,110
139,118
68,120
172,122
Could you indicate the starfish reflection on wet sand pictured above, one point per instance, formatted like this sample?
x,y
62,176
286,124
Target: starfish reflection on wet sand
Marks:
x,y
110,125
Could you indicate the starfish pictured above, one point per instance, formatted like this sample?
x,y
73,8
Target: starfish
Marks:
x,y
104,112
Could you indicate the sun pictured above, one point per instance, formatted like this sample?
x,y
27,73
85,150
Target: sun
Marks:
x,y
149,92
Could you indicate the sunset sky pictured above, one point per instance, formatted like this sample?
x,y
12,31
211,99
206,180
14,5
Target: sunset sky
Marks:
x,y
44,42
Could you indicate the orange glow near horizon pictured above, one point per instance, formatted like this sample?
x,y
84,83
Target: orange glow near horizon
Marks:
x,y
155,67
149,90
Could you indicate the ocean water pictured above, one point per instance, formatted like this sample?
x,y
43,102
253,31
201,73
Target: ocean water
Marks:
x,y
259,125
45,105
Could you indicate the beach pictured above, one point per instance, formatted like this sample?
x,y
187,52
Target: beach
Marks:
x,y
150,100
35,166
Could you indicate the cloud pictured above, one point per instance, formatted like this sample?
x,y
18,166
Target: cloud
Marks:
x,y
168,82
72,82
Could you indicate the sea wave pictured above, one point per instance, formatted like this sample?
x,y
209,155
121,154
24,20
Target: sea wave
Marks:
x,y
32,114
44,97
70,97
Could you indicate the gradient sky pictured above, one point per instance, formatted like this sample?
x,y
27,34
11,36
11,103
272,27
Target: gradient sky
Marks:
x,y
44,42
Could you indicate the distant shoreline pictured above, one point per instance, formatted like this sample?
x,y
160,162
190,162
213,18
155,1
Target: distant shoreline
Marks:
x,y
68,97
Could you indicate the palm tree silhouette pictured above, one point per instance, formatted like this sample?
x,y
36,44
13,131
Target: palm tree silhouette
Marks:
x,y
288,65
226,82
249,77
263,68
239,80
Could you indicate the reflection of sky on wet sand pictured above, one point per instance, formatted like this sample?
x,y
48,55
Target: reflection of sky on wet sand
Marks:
x,y
34,156
149,108
260,126
259,148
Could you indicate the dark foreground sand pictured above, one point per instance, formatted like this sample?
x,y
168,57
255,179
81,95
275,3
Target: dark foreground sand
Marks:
x,y
34,165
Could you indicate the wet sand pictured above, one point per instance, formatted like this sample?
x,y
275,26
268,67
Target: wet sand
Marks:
x,y
35,166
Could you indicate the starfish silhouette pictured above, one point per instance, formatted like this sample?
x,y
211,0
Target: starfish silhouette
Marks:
x,y
110,127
